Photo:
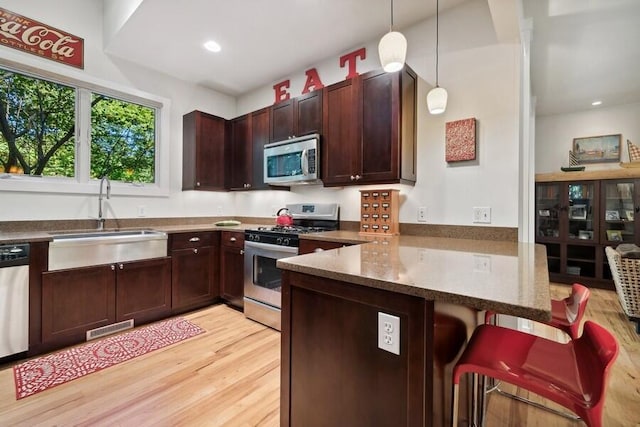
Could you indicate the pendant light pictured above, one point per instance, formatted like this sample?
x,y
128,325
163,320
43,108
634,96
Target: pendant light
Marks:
x,y
392,49
437,97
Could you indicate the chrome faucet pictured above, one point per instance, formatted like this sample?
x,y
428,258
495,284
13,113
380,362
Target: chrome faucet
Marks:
x,y
100,218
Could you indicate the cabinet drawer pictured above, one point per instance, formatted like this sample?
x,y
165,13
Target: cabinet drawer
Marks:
x,y
233,239
191,240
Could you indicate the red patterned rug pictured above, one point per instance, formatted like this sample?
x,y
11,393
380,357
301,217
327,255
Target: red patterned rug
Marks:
x,y
54,369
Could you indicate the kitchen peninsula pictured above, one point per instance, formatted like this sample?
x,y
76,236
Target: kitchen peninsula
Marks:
x,y
332,367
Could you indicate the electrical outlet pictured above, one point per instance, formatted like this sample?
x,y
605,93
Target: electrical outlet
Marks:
x,y
422,214
482,263
389,333
482,215
142,210
219,210
422,255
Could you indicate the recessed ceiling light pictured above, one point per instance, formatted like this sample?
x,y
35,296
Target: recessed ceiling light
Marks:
x,y
596,103
212,46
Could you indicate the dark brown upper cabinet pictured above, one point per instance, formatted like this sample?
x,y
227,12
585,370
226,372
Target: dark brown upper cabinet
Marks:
x,y
249,134
203,156
239,167
369,129
296,116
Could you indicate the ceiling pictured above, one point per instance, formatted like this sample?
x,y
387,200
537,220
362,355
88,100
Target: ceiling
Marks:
x,y
582,50
262,41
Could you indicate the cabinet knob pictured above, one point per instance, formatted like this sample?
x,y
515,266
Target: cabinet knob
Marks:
x,y
352,178
318,250
358,177
194,239
241,251
113,267
233,239
195,250
197,184
121,266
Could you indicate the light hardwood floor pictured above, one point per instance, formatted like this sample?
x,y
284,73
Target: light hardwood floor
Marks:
x,y
229,376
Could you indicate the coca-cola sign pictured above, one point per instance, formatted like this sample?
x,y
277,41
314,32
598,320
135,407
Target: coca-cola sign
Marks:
x,y
31,36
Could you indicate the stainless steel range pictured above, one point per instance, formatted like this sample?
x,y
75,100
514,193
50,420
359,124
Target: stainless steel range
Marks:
x,y
265,245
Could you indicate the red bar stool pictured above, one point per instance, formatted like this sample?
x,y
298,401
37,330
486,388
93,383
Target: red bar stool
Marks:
x,y
573,375
566,314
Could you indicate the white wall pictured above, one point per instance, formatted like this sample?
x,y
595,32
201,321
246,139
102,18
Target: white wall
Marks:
x,y
554,134
84,18
482,78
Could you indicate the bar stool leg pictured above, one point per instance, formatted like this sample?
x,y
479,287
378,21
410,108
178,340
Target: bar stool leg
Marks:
x,y
454,405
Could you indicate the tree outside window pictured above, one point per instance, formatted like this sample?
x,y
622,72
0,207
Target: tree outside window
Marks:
x,y
38,126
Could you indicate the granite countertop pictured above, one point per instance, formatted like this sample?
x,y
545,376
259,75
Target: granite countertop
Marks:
x,y
507,277
45,236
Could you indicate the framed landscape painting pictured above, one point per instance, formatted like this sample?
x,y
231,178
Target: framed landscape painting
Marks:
x,y
597,149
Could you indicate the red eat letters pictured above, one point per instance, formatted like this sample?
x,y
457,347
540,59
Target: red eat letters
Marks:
x,y
351,59
281,91
313,81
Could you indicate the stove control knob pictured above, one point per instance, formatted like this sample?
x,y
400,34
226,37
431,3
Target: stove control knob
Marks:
x,y
279,240
257,237
286,241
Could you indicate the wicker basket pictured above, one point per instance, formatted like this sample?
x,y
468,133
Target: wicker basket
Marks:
x,y
626,277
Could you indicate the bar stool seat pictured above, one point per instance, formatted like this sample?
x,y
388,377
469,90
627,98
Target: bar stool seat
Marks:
x,y
567,313
573,375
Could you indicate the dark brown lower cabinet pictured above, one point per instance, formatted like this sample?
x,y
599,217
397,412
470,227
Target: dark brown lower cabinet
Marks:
x,y
75,301
333,372
143,290
194,273
80,299
232,268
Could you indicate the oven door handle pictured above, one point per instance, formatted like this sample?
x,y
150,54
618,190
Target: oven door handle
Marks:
x,y
271,248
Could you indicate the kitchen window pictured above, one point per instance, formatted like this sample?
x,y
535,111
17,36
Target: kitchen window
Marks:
x,y
59,134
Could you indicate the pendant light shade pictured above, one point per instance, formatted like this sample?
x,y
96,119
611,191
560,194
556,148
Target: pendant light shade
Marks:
x,y
392,49
437,97
437,100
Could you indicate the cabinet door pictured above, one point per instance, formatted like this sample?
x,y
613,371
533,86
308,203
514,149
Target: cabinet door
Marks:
x,y
549,203
308,113
259,137
232,268
341,133
203,143
241,154
582,213
380,131
282,116
143,290
618,212
75,301
194,281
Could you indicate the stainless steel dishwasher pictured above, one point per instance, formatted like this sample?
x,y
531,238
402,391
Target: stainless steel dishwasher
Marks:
x,y
14,299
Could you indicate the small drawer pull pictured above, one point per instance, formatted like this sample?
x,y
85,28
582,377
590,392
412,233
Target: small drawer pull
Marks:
x,y
194,239
195,250
241,251
233,239
318,250
121,266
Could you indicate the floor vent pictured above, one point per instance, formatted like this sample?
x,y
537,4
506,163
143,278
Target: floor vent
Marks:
x,y
109,329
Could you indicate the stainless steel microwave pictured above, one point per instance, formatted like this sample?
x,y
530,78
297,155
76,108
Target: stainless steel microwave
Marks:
x,y
293,161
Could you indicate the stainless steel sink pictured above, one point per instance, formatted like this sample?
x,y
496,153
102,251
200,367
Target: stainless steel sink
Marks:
x,y
81,249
